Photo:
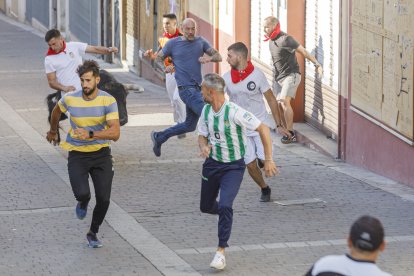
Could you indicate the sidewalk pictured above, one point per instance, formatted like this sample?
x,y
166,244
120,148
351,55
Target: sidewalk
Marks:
x,y
154,226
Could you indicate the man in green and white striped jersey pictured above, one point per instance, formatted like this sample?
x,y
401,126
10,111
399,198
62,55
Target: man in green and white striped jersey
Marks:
x,y
222,140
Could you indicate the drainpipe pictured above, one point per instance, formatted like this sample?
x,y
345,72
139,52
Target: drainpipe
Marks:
x,y
216,33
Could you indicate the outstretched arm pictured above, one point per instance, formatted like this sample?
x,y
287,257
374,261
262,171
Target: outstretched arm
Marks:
x,y
307,55
101,50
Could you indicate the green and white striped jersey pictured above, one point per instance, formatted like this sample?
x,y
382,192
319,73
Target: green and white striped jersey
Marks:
x,y
226,130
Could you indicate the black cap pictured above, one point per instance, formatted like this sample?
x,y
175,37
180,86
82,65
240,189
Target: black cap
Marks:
x,y
367,233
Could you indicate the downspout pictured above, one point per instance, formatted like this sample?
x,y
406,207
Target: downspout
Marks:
x,y
216,33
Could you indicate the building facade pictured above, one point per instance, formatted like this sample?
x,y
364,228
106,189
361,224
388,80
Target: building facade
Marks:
x,y
364,101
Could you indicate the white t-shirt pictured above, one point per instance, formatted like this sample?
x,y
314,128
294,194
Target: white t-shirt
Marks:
x,y
248,94
66,63
345,265
226,130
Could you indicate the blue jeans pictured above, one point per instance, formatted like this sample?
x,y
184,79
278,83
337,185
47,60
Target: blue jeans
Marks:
x,y
194,103
226,179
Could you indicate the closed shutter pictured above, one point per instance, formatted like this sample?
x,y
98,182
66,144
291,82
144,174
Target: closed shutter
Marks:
x,y
38,10
322,41
84,20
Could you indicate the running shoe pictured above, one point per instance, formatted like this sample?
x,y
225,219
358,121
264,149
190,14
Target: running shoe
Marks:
x,y
81,212
266,192
219,261
93,241
287,140
156,146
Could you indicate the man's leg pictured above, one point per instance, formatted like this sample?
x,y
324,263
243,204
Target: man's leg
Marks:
x,y
288,92
232,176
229,187
78,169
209,187
102,174
254,154
288,112
194,105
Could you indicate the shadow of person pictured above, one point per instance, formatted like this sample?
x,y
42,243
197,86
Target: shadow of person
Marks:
x,y
317,108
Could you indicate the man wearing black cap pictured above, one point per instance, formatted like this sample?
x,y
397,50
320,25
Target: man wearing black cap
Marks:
x,y
365,242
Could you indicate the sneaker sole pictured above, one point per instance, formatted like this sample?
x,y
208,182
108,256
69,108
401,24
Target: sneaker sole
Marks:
x,y
95,246
218,268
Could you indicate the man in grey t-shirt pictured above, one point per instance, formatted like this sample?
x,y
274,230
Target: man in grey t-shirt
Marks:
x,y
187,53
287,74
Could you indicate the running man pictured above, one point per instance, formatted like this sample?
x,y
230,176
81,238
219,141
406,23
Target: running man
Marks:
x,y
246,85
169,23
222,136
187,53
63,59
94,122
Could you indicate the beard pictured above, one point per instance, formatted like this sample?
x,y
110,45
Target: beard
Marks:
x,y
88,92
235,66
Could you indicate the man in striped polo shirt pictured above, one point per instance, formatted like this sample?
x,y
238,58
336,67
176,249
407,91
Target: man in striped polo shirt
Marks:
x,y
222,139
94,122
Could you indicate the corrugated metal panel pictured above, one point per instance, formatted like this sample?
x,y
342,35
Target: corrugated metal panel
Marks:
x,y
322,41
38,10
84,20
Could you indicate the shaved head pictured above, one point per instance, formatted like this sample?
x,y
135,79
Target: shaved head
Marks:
x,y
189,28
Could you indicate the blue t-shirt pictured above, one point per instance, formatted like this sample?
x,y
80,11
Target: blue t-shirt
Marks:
x,y
185,55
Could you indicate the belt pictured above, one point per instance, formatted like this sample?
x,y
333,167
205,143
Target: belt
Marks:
x,y
189,86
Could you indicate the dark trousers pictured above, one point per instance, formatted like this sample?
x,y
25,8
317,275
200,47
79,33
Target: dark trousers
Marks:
x,y
194,103
226,179
98,165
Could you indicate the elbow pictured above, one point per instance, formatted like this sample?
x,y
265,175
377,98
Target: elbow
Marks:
x,y
116,137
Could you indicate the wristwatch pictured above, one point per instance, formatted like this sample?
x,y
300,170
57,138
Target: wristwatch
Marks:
x,y
90,134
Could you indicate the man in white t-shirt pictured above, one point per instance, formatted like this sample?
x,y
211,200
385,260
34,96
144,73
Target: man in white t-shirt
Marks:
x,y
222,136
365,242
246,86
63,59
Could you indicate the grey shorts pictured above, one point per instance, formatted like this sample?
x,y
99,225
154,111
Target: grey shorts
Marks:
x,y
287,86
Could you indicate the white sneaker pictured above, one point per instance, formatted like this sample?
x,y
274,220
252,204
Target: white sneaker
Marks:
x,y
219,261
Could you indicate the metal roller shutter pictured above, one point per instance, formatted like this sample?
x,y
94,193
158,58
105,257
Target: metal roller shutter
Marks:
x,y
322,41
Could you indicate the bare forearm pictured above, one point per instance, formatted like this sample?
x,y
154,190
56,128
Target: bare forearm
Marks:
x,y
54,84
202,141
54,119
112,133
264,133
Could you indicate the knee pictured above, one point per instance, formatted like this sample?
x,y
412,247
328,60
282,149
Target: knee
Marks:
x,y
252,165
102,201
84,197
191,126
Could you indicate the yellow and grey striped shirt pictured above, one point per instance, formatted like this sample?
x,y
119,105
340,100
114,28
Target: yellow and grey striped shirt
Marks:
x,y
91,115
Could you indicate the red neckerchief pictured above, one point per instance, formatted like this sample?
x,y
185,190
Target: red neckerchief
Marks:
x,y
50,52
239,75
169,36
274,34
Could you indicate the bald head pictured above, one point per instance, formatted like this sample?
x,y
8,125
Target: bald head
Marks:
x,y
269,24
189,27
